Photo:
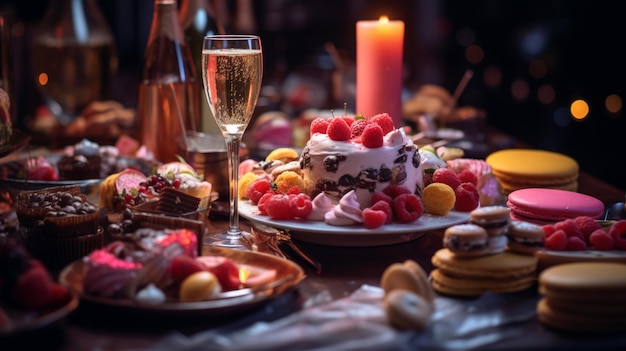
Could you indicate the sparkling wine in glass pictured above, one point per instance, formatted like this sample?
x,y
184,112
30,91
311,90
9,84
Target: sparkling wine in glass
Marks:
x,y
232,70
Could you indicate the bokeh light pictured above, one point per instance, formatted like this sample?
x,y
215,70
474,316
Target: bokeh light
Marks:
x,y
474,54
613,103
520,90
546,94
579,109
492,76
42,79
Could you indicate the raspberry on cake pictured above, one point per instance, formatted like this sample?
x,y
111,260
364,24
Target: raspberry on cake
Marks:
x,y
339,159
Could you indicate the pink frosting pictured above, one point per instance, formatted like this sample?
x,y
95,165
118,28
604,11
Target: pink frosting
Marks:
x,y
321,205
346,212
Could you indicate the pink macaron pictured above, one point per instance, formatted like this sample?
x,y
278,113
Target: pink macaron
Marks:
x,y
544,205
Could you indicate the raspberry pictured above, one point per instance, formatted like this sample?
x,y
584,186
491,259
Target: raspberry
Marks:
x,y
395,190
356,129
557,241
257,188
467,197
372,136
319,125
373,218
446,176
601,240
575,243
261,204
384,121
301,205
467,176
570,228
278,207
380,196
338,130
384,206
587,225
618,233
407,208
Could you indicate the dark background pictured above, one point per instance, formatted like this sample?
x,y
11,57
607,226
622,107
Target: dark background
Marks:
x,y
578,43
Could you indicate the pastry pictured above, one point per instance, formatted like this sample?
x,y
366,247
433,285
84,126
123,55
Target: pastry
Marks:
x,y
468,240
83,163
408,275
584,297
472,276
407,310
531,168
525,237
543,206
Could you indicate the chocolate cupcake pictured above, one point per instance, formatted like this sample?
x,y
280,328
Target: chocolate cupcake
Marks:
x,y
84,163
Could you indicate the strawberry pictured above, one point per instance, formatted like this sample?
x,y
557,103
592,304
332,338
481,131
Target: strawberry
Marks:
x,y
257,188
183,266
319,125
407,208
372,136
349,120
59,296
33,289
374,218
338,130
227,273
384,121
467,197
300,205
446,176
384,206
356,129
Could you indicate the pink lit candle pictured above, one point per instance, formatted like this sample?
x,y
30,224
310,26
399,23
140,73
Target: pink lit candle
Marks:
x,y
379,47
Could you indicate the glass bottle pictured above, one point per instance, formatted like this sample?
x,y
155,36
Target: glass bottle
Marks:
x,y
169,90
74,56
198,19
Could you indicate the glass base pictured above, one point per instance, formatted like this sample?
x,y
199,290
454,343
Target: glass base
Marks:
x,y
228,240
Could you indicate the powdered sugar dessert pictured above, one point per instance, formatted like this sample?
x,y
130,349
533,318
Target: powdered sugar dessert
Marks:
x,y
357,154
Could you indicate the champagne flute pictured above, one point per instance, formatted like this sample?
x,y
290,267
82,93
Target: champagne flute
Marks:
x,y
232,70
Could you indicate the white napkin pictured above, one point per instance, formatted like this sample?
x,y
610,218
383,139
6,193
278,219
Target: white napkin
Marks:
x,y
357,322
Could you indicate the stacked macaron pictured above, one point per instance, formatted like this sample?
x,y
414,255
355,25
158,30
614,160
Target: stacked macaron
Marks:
x,y
472,262
495,220
505,272
545,206
530,168
525,238
584,297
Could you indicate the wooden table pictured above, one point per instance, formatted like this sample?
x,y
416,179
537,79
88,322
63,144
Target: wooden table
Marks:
x,y
344,269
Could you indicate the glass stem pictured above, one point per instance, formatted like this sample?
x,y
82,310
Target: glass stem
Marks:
x,y
232,142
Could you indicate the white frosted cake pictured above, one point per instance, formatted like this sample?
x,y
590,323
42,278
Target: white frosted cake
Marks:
x,y
338,166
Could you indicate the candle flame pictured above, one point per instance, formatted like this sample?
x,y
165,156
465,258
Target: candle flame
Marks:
x,y
383,19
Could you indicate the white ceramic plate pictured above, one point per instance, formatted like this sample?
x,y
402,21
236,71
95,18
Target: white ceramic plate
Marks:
x,y
318,232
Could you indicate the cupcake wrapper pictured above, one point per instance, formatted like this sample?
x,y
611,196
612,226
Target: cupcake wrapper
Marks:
x,y
61,251
72,225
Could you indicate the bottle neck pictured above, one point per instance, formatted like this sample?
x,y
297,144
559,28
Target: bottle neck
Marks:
x,y
165,21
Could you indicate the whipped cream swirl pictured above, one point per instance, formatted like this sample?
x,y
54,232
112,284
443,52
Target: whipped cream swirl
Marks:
x,y
321,204
346,212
